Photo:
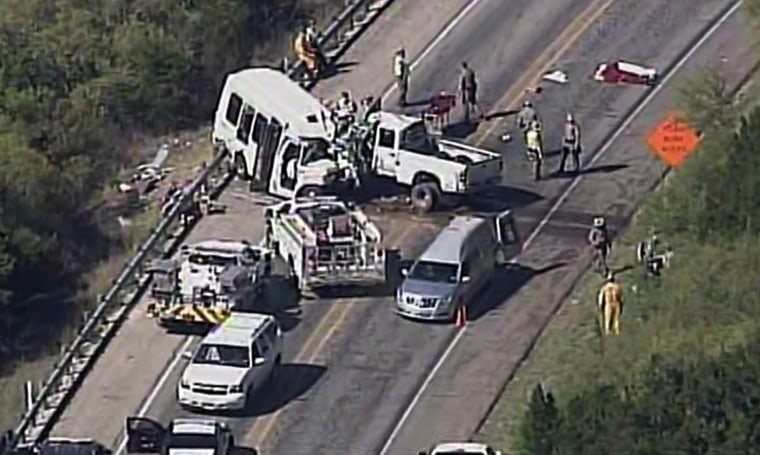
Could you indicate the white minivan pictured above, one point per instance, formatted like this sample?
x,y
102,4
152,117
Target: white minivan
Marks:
x,y
233,362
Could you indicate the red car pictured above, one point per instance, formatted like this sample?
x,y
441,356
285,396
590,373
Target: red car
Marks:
x,y
620,72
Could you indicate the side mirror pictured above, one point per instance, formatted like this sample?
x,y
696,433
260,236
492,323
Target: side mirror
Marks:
x,y
258,361
188,355
404,272
465,279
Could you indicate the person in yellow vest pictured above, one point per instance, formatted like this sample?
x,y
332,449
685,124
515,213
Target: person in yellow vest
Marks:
x,y
610,301
535,148
306,53
401,75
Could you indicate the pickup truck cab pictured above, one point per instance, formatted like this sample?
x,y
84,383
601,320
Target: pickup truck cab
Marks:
x,y
403,149
461,448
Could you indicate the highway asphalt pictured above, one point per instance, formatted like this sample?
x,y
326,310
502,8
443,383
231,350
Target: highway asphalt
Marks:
x,y
353,365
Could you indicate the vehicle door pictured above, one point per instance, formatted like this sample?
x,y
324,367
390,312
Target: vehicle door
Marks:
x,y
385,158
285,171
267,135
507,236
263,366
144,435
243,135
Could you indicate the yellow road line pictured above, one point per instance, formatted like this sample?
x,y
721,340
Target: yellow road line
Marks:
x,y
315,344
569,36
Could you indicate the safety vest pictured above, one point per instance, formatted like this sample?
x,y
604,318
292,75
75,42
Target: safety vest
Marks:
x,y
533,140
399,67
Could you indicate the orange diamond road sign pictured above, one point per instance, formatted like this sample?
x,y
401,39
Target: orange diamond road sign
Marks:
x,y
672,140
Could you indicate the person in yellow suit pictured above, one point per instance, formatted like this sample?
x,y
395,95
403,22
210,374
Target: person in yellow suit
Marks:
x,y
535,148
306,53
611,305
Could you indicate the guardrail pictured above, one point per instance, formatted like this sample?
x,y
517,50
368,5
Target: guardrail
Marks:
x,y
79,356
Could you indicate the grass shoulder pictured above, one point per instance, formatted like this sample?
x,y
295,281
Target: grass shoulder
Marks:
x,y
706,303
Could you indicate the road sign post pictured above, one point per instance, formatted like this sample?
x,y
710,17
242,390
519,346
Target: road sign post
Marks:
x,y
672,140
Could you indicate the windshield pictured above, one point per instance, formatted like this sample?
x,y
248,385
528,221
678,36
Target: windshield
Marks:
x,y
211,259
434,271
192,441
315,150
416,139
218,354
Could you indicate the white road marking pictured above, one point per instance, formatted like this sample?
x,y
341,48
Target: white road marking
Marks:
x,y
563,197
175,361
157,388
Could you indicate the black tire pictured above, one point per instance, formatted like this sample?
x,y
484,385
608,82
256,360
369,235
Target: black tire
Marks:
x,y
425,197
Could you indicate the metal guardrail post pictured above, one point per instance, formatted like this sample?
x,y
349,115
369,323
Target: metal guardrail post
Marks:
x,y
99,327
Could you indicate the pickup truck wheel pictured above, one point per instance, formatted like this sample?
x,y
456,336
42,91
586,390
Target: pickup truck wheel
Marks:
x,y
424,197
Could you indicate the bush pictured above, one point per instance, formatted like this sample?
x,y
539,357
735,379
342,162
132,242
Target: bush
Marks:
x,y
78,79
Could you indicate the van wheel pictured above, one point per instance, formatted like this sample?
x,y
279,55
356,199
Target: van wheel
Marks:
x,y
240,169
424,197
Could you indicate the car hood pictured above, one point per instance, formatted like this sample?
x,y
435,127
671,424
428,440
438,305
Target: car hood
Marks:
x,y
213,374
427,288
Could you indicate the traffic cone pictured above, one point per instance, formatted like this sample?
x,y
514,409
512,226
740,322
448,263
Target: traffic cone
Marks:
x,y
461,316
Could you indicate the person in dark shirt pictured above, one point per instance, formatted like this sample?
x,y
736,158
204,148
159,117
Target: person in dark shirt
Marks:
x,y
468,91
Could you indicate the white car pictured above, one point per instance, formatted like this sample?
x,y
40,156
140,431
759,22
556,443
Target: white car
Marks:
x,y
180,437
461,448
234,361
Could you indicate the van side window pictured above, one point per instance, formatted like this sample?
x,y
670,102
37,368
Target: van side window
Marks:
x,y
387,138
259,127
255,354
234,107
465,270
246,122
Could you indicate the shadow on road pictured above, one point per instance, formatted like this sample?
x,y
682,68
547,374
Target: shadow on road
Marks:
x,y
504,283
280,300
239,450
336,69
459,130
294,380
498,199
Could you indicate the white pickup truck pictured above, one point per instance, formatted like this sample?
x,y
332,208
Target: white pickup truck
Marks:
x,y
284,141
402,148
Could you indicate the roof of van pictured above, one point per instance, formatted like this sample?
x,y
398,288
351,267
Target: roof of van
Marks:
x,y
237,329
283,98
445,248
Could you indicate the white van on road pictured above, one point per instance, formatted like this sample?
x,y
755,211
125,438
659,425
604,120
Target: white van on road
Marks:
x,y
233,362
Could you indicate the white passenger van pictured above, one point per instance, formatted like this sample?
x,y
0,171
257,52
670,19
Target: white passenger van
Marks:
x,y
455,266
276,133
234,361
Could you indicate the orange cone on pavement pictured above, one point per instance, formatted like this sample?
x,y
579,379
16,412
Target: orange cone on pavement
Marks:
x,y
461,316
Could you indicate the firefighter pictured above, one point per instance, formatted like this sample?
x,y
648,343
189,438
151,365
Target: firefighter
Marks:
x,y
534,148
526,116
610,301
571,144
401,75
599,239
307,53
346,105
468,91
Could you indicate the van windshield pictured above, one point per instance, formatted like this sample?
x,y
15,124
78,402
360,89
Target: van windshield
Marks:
x,y
219,354
315,150
438,272
212,259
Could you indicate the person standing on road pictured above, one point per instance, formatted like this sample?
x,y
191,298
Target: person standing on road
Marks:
x,y
401,75
468,91
599,239
535,148
610,301
571,144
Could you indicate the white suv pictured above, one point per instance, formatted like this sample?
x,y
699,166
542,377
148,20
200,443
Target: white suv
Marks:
x,y
231,363
180,437
461,448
